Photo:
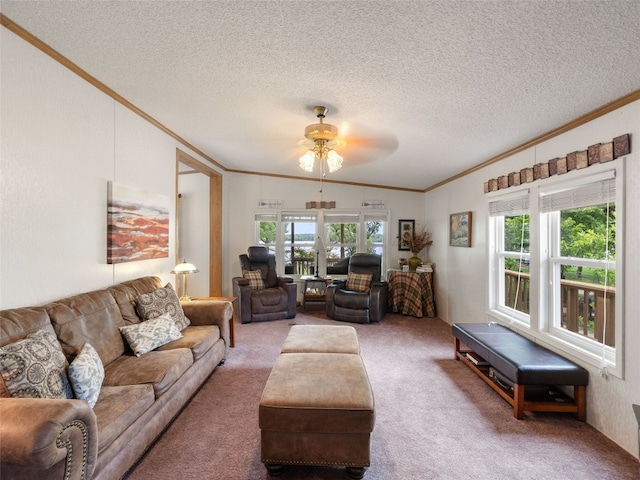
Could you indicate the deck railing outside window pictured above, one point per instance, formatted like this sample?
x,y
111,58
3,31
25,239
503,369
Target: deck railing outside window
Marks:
x,y
584,305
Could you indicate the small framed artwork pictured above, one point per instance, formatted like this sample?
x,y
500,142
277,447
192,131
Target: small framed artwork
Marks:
x,y
460,229
405,232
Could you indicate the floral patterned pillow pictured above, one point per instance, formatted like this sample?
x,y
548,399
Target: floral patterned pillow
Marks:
x,y
86,374
35,367
162,301
145,336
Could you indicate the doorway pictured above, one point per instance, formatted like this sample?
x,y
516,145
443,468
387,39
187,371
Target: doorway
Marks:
x,y
208,221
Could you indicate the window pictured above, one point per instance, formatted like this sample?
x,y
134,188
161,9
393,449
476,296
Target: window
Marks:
x,y
556,262
375,232
581,243
341,231
299,231
291,235
266,230
511,257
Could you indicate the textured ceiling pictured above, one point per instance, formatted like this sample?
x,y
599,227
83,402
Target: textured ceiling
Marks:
x,y
424,90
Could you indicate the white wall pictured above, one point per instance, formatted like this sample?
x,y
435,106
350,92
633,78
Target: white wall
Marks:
x,y
462,274
61,141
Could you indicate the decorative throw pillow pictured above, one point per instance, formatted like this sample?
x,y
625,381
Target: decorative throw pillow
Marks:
x,y
161,301
86,374
359,282
35,367
255,279
145,336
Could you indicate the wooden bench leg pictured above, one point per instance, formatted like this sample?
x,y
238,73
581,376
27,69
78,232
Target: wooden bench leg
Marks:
x,y
518,401
456,347
580,398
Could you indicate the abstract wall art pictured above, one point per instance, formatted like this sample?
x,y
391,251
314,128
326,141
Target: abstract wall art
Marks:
x,y
137,224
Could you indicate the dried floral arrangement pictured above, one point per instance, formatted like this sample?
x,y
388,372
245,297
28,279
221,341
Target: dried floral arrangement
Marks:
x,y
420,239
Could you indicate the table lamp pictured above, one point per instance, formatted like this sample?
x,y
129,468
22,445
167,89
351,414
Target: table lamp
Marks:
x,y
184,269
317,246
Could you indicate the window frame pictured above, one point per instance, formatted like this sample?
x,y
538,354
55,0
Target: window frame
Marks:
x,y
363,216
544,282
497,255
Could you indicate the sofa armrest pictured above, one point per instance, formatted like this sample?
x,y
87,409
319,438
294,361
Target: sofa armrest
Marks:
x,y
210,312
39,434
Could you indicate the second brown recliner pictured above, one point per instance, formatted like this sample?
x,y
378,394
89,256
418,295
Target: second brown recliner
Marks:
x,y
362,297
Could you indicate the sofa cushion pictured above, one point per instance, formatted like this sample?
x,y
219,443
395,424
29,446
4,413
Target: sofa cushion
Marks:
x,y
86,373
255,279
144,337
359,282
118,407
198,338
159,302
35,367
160,369
17,323
92,317
125,294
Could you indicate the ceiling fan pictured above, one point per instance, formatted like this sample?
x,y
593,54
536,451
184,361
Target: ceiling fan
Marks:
x,y
322,142
323,135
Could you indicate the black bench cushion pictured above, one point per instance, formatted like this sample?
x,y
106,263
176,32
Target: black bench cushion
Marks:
x,y
517,357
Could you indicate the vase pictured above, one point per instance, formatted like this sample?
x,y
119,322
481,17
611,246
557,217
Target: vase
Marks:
x,y
414,262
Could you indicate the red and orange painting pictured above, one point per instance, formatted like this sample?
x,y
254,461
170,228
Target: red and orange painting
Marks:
x,y
137,224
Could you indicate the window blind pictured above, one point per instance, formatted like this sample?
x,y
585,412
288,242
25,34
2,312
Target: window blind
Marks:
x,y
593,193
266,217
341,218
511,206
299,217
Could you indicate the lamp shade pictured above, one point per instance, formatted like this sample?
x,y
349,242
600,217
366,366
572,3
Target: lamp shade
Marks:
x,y
184,267
318,244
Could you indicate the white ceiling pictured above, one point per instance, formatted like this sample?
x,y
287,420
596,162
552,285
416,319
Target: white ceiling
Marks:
x,y
430,88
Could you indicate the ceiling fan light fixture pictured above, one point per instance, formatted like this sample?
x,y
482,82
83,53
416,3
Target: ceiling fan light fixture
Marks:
x,y
334,161
307,160
321,134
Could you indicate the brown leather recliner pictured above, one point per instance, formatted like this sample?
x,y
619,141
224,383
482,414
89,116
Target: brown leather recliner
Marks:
x,y
357,306
275,301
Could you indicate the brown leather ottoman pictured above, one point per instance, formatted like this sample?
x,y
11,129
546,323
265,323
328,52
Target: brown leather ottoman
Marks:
x,y
317,409
321,339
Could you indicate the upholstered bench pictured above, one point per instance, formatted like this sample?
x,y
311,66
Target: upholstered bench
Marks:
x,y
524,363
317,408
321,339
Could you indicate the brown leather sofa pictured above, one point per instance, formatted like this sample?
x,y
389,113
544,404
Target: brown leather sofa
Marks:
x,y
67,439
346,304
275,300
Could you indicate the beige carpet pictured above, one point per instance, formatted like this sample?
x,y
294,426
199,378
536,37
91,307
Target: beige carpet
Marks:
x,y
435,419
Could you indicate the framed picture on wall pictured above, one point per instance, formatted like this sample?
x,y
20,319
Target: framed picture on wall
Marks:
x,y
405,231
137,224
460,229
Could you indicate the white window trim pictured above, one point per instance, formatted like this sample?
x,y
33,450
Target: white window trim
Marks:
x,y
539,328
506,314
320,231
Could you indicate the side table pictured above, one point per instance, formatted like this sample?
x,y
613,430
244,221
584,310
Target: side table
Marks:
x,y
314,292
234,304
411,293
